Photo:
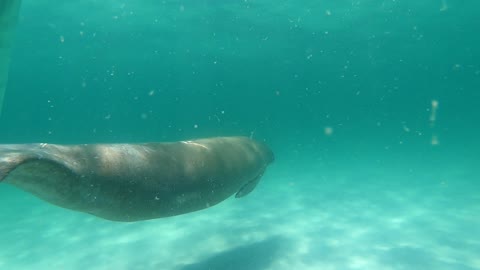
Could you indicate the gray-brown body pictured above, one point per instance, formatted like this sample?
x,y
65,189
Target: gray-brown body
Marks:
x,y
129,182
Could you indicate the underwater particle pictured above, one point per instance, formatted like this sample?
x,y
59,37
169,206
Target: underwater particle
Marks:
x,y
406,129
328,12
151,93
328,131
433,112
62,39
108,117
444,5
434,140
144,116
195,126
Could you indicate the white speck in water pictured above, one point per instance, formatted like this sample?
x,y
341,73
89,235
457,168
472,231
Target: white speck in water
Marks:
x,y
328,131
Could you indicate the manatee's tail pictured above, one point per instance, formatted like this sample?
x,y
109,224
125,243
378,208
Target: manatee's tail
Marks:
x,y
8,19
14,155
10,161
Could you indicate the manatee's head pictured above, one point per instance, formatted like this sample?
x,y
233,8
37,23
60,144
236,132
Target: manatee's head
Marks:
x,y
267,157
268,154
264,152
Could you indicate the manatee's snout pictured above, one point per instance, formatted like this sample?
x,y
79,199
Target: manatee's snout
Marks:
x,y
267,153
266,156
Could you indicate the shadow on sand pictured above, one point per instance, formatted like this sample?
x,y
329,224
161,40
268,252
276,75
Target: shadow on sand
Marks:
x,y
255,256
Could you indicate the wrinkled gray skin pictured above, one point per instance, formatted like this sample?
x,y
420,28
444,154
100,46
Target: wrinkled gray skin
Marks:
x,y
130,182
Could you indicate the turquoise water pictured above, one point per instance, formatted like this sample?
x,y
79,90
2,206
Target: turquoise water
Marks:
x,y
372,110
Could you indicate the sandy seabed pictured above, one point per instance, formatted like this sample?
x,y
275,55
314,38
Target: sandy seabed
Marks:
x,y
309,219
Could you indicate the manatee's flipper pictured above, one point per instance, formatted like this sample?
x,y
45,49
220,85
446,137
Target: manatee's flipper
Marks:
x,y
8,19
249,186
